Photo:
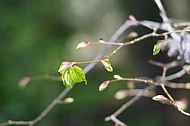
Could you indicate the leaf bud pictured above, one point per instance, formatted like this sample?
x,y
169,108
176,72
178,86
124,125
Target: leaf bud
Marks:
x,y
159,98
83,44
121,94
118,77
64,65
107,64
24,81
132,18
181,104
103,85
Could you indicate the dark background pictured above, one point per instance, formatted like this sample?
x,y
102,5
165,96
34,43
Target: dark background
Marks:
x,y
37,35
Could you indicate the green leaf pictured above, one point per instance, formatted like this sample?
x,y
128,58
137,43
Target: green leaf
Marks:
x,y
71,74
157,48
107,65
66,78
77,74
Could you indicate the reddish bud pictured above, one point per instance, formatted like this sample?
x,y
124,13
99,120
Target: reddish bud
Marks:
x,y
103,85
132,18
181,104
121,94
83,44
159,98
107,64
24,81
65,65
160,41
130,85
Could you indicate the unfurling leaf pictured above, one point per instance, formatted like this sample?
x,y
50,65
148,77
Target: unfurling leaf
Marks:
x,y
157,47
77,74
72,74
107,64
66,78
83,44
103,85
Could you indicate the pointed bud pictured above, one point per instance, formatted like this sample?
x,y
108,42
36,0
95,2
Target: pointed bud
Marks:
x,y
130,85
83,44
24,81
121,94
107,64
66,101
101,40
118,77
187,86
132,35
157,47
160,41
181,104
132,18
103,85
65,65
159,98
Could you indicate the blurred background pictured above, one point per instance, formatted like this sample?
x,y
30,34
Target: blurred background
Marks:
x,y
37,35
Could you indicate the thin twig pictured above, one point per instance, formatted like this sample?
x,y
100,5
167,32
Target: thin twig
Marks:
x,y
178,85
86,70
177,75
167,66
163,86
129,103
114,38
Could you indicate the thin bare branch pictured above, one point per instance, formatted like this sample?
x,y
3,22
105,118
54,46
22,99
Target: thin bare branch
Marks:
x,y
178,74
114,38
129,103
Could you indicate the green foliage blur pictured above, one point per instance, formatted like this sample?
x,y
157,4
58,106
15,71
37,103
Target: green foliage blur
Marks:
x,y
37,35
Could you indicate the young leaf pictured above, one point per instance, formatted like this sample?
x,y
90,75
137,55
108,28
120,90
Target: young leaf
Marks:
x,y
66,78
77,74
71,74
107,65
157,47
